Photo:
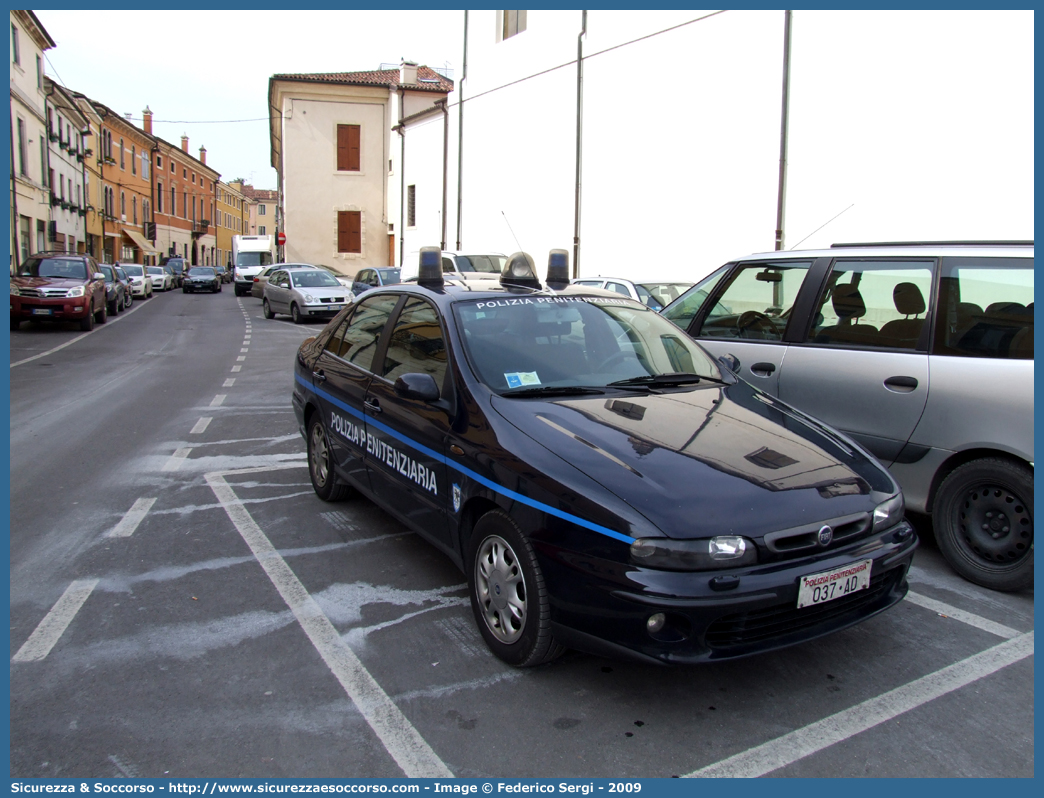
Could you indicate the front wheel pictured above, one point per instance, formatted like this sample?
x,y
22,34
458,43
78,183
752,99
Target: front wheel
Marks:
x,y
266,310
508,595
295,314
320,465
983,520
87,322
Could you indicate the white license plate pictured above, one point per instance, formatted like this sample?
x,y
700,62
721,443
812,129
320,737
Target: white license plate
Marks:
x,y
41,311
830,585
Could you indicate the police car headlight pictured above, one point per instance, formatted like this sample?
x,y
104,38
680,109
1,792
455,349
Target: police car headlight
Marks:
x,y
889,513
724,551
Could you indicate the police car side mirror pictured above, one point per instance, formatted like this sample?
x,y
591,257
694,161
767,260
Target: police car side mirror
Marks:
x,y
417,386
731,362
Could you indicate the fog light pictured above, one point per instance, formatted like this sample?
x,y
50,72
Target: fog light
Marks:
x,y
655,623
77,309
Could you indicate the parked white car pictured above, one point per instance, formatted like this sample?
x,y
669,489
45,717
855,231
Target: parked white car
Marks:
x,y
161,279
141,281
655,294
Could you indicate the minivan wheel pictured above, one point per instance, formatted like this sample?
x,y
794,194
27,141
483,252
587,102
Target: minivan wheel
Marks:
x,y
983,520
508,595
320,465
87,322
103,314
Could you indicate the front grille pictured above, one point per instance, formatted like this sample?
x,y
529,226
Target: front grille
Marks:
x,y
331,299
43,293
786,620
800,540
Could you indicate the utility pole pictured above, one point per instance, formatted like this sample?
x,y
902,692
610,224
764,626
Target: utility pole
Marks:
x,y
781,202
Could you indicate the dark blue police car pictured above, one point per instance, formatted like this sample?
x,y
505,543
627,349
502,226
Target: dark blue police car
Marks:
x,y
604,483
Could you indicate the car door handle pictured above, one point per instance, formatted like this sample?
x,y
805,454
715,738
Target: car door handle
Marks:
x,y
762,369
901,384
373,405
319,376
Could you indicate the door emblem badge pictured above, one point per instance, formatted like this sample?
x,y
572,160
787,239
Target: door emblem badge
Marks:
x,y
456,498
826,534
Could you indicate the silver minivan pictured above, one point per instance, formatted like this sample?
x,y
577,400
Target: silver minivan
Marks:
x,y
921,353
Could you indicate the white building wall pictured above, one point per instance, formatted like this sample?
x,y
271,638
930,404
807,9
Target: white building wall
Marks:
x,y
68,171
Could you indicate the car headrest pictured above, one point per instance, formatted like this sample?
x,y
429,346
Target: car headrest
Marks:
x,y
908,299
848,302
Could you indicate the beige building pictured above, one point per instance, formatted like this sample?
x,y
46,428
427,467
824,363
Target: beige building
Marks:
x,y
231,218
264,207
30,192
335,154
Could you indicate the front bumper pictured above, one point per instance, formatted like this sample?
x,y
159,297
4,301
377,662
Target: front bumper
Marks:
x,y
603,608
211,287
55,309
321,311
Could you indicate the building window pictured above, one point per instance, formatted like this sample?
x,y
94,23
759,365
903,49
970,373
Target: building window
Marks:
x,y
261,230
260,210
144,210
511,24
15,54
39,73
123,205
411,206
349,231
159,198
134,160
173,201
23,154
172,165
159,161
43,160
347,148
122,164
184,173
134,210
144,165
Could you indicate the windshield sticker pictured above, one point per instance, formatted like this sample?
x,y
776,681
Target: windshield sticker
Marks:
x,y
516,379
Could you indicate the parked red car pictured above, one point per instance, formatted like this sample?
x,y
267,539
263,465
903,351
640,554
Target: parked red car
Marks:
x,y
59,286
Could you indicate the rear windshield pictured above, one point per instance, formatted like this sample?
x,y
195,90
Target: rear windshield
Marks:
x,y
67,268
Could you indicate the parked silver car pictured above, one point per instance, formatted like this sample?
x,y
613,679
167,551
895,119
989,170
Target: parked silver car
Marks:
x,y
304,293
920,353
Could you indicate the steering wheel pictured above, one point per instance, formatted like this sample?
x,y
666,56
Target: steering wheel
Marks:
x,y
619,356
753,319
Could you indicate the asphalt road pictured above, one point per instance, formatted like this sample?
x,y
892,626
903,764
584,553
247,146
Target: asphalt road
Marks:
x,y
182,605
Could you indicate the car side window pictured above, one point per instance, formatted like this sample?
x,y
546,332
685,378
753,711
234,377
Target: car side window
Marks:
x,y
278,278
619,288
985,308
684,309
360,335
416,344
757,302
875,304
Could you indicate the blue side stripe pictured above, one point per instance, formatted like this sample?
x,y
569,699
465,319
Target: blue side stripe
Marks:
x,y
573,519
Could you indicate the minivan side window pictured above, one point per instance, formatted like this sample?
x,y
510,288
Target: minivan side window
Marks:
x,y
874,303
985,308
757,302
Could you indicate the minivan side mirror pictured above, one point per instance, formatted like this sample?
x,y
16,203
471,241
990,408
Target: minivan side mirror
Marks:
x,y
417,386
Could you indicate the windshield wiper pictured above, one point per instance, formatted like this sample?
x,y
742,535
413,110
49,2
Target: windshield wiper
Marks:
x,y
657,380
552,390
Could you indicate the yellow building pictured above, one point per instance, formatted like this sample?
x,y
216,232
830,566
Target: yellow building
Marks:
x,y
231,217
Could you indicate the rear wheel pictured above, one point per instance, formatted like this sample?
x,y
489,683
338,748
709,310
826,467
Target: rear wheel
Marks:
x,y
103,314
15,324
320,465
266,310
295,313
508,595
114,307
983,520
128,300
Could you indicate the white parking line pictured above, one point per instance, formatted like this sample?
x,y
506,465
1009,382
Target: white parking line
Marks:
x,y
218,400
176,459
134,516
201,425
960,615
836,728
229,382
54,623
403,742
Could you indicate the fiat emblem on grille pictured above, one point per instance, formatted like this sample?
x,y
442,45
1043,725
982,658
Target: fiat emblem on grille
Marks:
x,y
826,534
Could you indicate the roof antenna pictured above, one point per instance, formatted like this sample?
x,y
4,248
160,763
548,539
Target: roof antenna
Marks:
x,y
512,231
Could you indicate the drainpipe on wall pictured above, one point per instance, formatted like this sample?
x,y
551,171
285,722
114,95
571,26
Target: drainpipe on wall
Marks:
x,y
15,218
460,134
579,138
402,178
445,166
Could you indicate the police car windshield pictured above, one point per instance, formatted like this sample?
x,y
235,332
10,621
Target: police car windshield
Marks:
x,y
532,342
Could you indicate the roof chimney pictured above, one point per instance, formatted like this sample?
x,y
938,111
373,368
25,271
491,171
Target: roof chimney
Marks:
x,y
128,116
408,73
184,142
146,120
203,155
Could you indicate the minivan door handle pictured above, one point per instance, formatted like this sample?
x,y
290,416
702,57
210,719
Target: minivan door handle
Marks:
x,y
901,384
762,369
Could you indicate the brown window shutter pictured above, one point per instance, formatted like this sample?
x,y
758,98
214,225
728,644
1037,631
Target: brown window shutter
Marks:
x,y
348,148
349,231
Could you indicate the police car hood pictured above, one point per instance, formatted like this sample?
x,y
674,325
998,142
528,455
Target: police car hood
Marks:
x,y
717,459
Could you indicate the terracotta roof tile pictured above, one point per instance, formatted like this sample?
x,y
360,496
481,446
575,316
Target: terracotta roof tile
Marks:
x,y
428,79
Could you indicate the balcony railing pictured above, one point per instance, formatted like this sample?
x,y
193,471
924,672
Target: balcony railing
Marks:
x,y
201,227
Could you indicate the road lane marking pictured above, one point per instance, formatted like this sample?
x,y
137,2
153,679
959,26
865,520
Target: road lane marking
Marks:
x,y
969,618
402,741
241,358
112,320
244,350
134,516
229,382
218,400
54,623
176,459
237,368
839,727
201,425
